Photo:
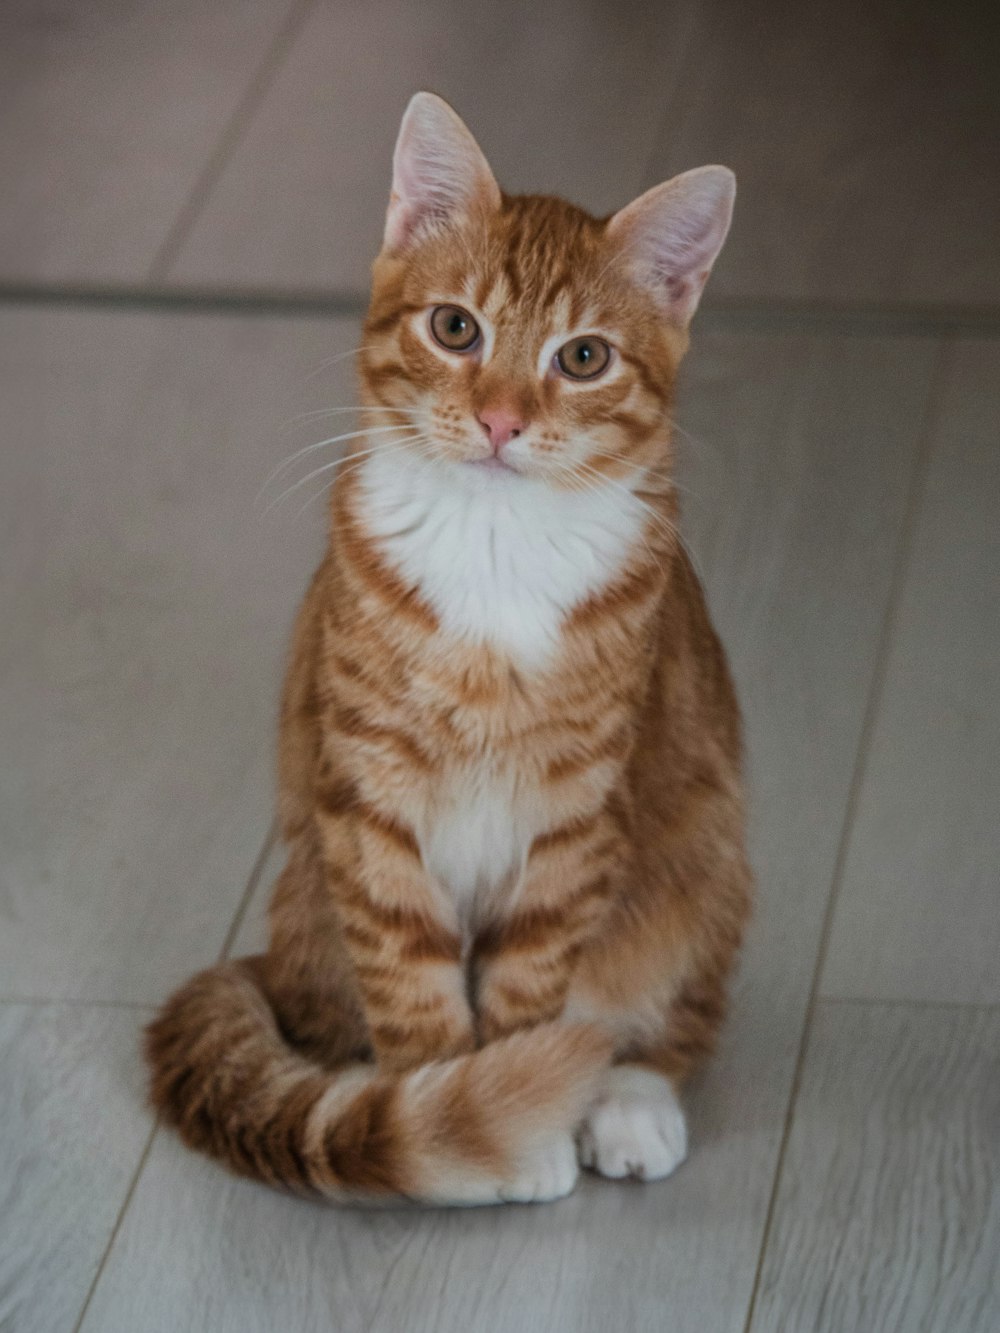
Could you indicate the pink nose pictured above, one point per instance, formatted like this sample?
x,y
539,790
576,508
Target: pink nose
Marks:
x,y
500,426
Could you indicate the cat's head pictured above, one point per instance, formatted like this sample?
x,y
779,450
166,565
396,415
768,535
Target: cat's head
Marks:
x,y
518,335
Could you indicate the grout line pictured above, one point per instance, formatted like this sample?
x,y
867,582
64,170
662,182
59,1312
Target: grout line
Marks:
x,y
727,314
76,1002
249,891
187,299
133,1183
900,569
856,320
229,140
253,879
877,1002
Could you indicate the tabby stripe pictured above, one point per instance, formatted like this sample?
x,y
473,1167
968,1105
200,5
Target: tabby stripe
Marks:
x,y
363,558
413,939
634,588
658,391
379,990
559,724
388,828
350,671
388,370
432,944
364,1147
634,424
382,323
556,288
513,278
384,993
556,925
513,997
428,940
483,290
575,762
282,1136
464,1123
417,1036
350,722
337,796
564,835
360,933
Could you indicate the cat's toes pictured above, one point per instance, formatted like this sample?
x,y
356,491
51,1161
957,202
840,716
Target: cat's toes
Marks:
x,y
637,1127
550,1172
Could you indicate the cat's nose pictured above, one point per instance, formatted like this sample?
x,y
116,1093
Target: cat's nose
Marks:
x,y
501,426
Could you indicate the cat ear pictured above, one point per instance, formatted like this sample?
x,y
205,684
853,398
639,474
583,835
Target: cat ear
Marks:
x,y
438,172
673,234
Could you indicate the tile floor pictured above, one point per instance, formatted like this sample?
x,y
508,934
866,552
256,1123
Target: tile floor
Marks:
x,y
192,195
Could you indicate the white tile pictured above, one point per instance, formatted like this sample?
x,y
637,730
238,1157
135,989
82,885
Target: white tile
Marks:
x,y
888,1215
110,112
149,604
72,1129
918,916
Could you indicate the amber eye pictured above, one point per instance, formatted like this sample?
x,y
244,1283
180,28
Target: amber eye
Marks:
x,y
454,328
583,358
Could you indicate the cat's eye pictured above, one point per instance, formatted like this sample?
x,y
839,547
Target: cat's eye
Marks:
x,y
454,328
584,358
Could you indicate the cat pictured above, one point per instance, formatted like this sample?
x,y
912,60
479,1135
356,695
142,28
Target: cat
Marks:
x,y
510,754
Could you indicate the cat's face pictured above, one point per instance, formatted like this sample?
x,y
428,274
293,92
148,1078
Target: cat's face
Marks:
x,y
520,337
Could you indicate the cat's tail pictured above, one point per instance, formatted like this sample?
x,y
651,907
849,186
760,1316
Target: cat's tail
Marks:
x,y
486,1127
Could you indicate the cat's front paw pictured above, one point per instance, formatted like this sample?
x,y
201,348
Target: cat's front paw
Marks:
x,y
549,1172
636,1128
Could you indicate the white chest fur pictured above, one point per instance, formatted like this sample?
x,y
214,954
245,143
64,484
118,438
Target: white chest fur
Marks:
x,y
478,843
501,559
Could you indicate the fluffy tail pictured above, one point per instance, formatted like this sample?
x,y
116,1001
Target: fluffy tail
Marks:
x,y
458,1131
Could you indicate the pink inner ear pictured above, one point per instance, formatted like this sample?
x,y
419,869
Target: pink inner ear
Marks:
x,y
674,233
439,172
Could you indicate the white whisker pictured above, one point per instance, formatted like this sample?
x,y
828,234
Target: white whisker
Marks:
x,y
286,463
327,467
712,450
356,407
418,446
670,481
335,360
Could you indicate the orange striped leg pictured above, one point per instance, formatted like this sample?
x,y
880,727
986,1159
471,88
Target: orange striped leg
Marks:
x,y
524,963
406,957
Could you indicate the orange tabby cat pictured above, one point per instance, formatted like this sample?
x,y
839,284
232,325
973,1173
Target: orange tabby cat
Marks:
x,y
510,751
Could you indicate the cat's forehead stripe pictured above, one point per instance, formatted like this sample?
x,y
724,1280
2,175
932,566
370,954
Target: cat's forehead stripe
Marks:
x,y
500,296
560,312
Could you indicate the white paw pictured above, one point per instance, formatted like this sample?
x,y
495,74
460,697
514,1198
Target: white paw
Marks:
x,y
636,1129
549,1172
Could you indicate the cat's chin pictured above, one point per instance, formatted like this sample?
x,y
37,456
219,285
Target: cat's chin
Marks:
x,y
492,464
489,474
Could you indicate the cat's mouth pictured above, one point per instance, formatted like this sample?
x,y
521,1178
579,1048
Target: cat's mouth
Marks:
x,y
493,463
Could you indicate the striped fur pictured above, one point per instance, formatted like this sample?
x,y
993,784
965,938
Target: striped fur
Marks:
x,y
510,751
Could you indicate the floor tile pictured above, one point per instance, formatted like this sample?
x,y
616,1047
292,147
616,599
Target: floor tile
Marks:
x,y
799,452
110,112
150,600
918,915
564,97
864,141
72,1129
888,1216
